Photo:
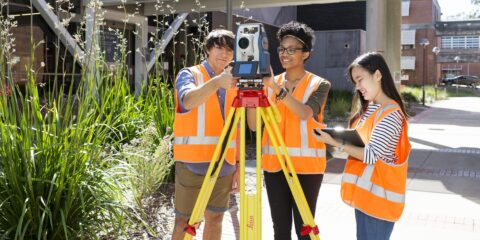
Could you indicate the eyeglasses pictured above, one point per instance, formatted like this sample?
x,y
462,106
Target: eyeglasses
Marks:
x,y
289,51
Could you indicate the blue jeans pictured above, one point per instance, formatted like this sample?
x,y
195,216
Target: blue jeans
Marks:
x,y
370,228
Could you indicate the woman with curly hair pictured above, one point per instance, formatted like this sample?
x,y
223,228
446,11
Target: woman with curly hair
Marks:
x,y
300,96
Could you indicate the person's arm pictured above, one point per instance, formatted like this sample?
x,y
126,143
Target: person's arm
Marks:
x,y
384,140
318,98
301,110
354,151
197,96
183,84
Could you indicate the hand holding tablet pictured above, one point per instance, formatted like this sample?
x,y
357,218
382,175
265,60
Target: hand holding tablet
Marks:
x,y
348,136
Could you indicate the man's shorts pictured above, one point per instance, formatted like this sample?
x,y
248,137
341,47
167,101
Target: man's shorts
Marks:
x,y
187,187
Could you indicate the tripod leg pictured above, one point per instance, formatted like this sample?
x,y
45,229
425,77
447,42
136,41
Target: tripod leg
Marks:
x,y
243,202
211,176
289,172
259,171
250,203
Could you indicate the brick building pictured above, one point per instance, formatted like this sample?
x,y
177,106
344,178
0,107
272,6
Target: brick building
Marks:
x,y
418,22
453,47
460,41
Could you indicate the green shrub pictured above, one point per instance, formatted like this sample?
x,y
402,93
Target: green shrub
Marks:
x,y
408,96
338,106
76,162
413,94
151,158
54,182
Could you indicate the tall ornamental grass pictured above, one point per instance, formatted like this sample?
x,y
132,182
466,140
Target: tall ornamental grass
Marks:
x,y
54,182
78,157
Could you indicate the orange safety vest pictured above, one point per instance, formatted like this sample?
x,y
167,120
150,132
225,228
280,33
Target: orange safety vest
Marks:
x,y
378,190
307,154
198,131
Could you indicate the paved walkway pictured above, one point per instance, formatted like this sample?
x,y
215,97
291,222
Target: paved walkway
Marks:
x,y
443,196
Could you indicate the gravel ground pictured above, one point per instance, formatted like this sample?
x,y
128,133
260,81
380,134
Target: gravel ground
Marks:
x,y
160,214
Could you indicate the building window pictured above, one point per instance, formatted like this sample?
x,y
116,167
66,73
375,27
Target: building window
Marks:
x,y
405,8
408,39
472,42
460,42
407,62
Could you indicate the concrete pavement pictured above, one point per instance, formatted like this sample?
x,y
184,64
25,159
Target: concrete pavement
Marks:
x,y
443,191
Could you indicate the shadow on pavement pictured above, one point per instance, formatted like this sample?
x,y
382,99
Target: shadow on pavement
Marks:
x,y
445,116
427,143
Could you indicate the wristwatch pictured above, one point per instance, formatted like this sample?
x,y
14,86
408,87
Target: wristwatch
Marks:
x,y
282,94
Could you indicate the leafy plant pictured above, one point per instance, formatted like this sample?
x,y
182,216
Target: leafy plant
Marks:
x,y
78,156
151,158
413,94
54,184
338,106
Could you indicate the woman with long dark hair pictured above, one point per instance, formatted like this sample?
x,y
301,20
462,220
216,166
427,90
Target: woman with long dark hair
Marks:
x,y
374,179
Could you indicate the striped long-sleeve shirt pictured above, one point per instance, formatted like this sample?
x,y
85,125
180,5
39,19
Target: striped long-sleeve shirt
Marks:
x,y
385,137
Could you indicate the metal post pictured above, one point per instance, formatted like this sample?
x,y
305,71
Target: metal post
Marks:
x,y
229,15
141,42
436,50
424,76
424,42
457,59
54,23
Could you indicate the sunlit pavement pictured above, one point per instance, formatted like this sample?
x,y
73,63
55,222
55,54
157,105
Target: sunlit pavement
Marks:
x,y
443,196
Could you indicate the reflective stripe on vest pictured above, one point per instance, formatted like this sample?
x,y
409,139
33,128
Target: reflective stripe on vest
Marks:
x,y
201,108
364,183
312,86
383,109
296,152
201,141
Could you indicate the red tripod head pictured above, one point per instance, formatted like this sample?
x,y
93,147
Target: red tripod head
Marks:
x,y
250,94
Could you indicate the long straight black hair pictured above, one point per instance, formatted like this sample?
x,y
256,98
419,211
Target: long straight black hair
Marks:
x,y
372,62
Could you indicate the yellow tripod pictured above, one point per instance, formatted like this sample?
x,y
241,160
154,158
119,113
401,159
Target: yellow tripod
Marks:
x,y
251,203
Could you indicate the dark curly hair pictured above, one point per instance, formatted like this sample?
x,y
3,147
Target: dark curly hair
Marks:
x,y
300,31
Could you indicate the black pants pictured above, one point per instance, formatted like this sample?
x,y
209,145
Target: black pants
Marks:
x,y
282,203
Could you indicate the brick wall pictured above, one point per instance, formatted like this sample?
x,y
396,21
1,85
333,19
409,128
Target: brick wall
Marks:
x,y
421,11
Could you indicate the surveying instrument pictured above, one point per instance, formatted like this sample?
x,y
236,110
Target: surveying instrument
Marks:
x,y
252,63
